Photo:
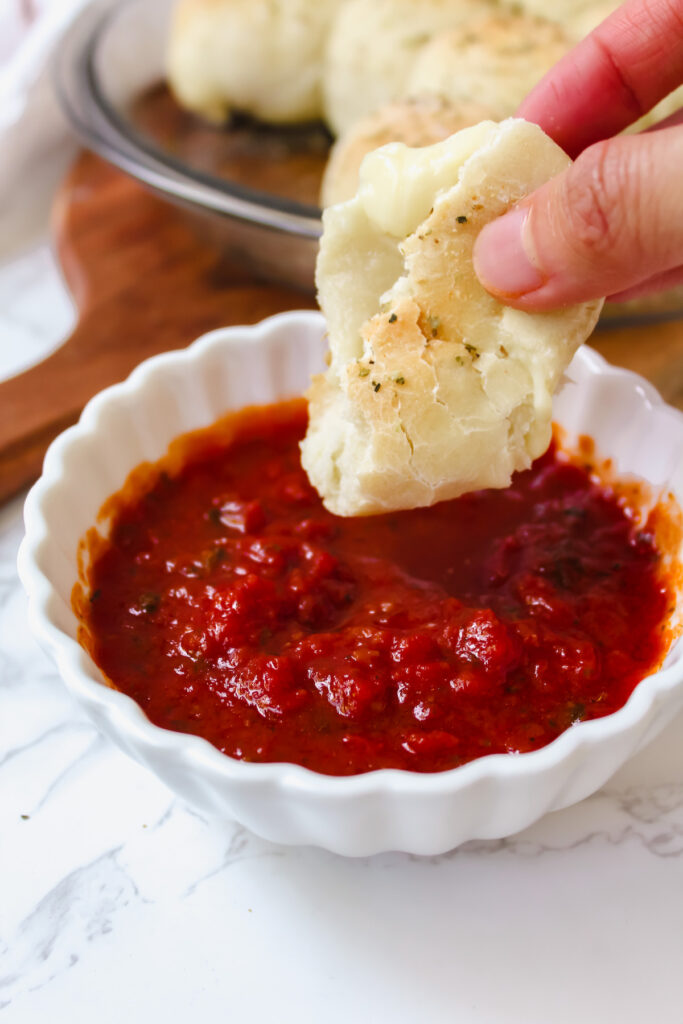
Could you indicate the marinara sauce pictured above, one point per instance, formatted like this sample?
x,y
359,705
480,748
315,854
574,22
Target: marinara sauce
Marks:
x,y
229,603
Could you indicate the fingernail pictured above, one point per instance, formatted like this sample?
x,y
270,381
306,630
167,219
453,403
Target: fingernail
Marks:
x,y
501,260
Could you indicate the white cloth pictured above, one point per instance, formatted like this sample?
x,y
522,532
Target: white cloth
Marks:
x,y
36,142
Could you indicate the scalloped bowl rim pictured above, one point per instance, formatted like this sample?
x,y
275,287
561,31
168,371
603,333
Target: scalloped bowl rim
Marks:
x,y
81,674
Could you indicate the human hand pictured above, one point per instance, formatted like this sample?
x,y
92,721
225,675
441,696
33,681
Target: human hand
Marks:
x,y
612,224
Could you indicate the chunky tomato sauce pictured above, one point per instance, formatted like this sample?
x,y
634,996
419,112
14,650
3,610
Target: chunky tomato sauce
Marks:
x,y
230,604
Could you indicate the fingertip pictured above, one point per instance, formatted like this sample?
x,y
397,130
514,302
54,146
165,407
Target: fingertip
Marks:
x,y
502,260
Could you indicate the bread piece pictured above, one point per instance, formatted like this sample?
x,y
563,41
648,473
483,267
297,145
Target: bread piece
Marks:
x,y
496,58
560,11
665,108
416,122
371,49
581,22
263,57
434,387
577,17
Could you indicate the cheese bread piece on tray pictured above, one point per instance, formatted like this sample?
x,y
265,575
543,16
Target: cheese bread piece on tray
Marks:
x,y
581,22
416,122
498,58
434,388
561,11
260,57
372,46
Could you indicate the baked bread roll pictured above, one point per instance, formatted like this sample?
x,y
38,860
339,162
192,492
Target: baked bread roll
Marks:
x,y
561,11
581,22
416,122
262,57
371,49
577,17
665,108
434,387
498,58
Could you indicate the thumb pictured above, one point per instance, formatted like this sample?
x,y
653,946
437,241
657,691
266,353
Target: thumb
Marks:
x,y
611,221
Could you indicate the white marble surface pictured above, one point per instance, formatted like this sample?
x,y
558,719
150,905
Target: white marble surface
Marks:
x,y
119,903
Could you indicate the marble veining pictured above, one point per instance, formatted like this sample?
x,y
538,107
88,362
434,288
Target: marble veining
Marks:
x,y
118,902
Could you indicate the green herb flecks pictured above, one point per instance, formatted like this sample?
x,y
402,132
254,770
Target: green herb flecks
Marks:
x,y
214,516
149,603
575,512
576,711
214,557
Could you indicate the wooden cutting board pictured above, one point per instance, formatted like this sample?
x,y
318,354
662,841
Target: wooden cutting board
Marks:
x,y
143,282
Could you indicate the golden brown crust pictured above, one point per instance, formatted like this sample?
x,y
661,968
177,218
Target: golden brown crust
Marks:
x,y
419,121
371,49
580,22
497,58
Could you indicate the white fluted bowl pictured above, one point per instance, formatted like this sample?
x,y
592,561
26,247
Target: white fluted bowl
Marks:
x,y
389,809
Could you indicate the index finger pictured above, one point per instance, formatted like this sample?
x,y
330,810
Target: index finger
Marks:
x,y
614,76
